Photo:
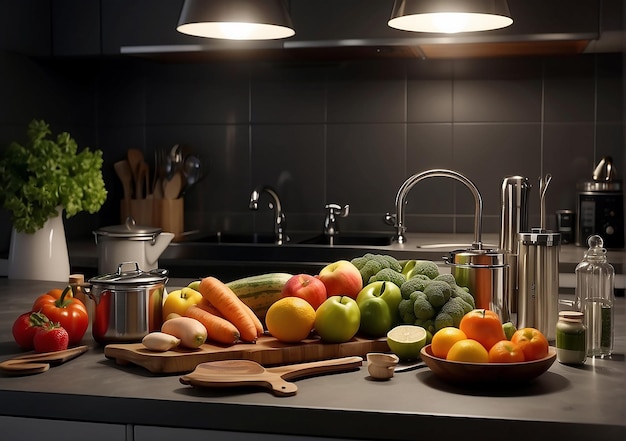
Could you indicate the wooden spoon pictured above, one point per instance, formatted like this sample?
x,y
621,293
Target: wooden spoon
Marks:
x,y
122,168
172,187
36,363
135,159
237,373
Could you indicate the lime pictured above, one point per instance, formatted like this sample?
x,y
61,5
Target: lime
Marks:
x,y
406,341
509,329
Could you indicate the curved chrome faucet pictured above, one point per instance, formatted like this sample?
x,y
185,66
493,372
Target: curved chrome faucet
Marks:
x,y
331,226
279,216
397,220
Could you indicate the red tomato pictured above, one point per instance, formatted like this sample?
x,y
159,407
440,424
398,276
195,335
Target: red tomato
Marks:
x,y
533,343
506,351
61,307
26,326
484,326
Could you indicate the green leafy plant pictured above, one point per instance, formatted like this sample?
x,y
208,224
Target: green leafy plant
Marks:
x,y
46,173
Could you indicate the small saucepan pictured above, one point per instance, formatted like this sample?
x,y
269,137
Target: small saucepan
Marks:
x,y
128,303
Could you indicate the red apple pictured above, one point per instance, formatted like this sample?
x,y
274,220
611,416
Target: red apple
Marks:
x,y
341,278
306,287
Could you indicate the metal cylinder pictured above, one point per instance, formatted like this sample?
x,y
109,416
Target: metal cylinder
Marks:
x,y
514,220
538,274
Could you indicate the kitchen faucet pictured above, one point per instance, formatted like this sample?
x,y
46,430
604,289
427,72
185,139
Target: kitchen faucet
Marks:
x,y
279,216
331,226
397,220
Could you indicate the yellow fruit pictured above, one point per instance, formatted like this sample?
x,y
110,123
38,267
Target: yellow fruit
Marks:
x,y
290,319
468,351
444,339
406,341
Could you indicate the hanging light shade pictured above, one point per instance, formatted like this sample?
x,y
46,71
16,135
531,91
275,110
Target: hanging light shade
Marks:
x,y
450,16
236,19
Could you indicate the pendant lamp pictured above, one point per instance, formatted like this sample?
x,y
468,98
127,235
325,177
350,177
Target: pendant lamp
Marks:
x,y
236,19
450,16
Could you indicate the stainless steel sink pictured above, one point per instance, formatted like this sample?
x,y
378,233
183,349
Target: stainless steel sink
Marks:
x,y
237,238
349,239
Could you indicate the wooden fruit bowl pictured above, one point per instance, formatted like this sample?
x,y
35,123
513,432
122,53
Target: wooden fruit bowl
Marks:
x,y
470,373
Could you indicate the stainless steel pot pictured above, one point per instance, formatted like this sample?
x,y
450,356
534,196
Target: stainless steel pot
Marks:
x,y
128,304
485,273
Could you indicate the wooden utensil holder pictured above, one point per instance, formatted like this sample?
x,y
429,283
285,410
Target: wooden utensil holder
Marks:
x,y
167,214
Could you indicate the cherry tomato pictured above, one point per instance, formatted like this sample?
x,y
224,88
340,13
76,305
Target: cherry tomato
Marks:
x,y
484,326
533,343
26,326
61,307
506,351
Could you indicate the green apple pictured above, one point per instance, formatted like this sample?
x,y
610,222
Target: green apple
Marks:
x,y
337,320
375,317
194,285
387,291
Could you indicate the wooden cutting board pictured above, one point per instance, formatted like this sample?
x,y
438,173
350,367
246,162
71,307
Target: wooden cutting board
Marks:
x,y
267,351
240,373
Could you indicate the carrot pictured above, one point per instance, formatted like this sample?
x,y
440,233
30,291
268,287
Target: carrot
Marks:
x,y
231,306
218,329
255,320
204,304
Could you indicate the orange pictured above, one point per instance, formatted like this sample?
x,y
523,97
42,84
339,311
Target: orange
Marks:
x,y
290,319
468,351
484,326
444,339
506,351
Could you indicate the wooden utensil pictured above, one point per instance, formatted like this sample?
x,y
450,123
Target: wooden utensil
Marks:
x,y
238,373
122,169
38,363
135,159
172,187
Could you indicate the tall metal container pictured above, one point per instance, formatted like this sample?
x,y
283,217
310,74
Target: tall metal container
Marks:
x,y
514,220
538,274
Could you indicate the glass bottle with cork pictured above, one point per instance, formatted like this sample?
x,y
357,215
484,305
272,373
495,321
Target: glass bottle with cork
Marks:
x,y
595,297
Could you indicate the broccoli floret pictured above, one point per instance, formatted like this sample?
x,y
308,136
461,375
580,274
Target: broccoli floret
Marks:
x,y
359,261
422,309
429,325
448,278
405,308
425,267
392,262
414,284
456,308
388,275
438,293
443,320
466,296
370,268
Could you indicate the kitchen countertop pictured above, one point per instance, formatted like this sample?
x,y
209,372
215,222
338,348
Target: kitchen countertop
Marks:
x,y
232,260
574,403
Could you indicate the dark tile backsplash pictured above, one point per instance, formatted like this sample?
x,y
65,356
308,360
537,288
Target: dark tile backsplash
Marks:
x,y
343,132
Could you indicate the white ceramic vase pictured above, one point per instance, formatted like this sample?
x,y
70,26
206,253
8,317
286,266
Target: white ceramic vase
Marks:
x,y
42,255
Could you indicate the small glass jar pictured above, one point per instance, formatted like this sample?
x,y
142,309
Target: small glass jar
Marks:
x,y
571,338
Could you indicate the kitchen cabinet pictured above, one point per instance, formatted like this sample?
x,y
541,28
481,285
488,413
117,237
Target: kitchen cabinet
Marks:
x,y
76,27
151,433
59,430
25,26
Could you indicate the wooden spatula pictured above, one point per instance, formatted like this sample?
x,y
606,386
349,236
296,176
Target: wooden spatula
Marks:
x,y
237,373
37,363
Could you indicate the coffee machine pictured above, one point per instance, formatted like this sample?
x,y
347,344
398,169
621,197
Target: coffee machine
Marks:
x,y
601,207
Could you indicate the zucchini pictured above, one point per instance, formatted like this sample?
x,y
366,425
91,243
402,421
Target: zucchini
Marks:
x,y
261,291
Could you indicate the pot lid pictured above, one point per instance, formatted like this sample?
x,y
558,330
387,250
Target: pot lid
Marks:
x,y
133,276
129,229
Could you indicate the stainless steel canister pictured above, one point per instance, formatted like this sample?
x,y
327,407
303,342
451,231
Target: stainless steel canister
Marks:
x,y
485,274
128,303
538,272
514,220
